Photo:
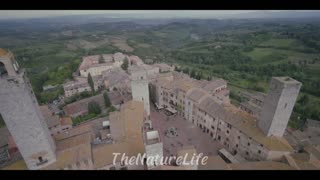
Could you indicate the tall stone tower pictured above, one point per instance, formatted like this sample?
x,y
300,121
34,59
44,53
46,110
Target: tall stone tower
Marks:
x,y
20,111
278,105
140,89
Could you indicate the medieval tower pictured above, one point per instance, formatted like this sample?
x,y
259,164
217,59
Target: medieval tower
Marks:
x,y
278,105
20,111
140,89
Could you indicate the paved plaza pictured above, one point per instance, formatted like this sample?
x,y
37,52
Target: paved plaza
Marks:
x,y
188,134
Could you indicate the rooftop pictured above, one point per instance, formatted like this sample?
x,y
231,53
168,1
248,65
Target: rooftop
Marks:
x,y
214,84
66,121
286,80
245,123
88,61
3,52
82,105
125,128
152,137
51,119
196,94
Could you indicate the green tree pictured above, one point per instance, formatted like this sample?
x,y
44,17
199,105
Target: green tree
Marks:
x,y
125,64
106,99
90,81
193,73
94,108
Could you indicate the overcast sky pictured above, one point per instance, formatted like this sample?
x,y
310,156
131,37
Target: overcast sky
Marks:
x,y
11,14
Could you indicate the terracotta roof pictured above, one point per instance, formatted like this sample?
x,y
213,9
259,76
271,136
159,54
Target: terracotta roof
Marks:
x,y
73,154
51,119
73,141
214,84
3,52
66,121
125,128
107,57
77,130
88,61
82,105
243,122
196,94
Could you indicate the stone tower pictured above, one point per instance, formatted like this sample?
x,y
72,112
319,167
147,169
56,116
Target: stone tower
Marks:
x,y
20,111
278,105
140,89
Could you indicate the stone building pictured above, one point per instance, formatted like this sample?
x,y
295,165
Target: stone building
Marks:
x,y
163,68
80,108
76,87
118,79
222,121
253,103
170,90
278,105
20,111
94,66
118,59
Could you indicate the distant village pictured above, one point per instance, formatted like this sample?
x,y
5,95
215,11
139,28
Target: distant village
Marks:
x,y
152,110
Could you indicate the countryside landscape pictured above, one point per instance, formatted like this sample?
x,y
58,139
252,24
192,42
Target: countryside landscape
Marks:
x,y
247,53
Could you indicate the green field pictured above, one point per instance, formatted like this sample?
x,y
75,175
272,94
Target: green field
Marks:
x,y
247,54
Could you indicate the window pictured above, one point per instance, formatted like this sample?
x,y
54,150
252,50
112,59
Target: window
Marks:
x,y
237,145
212,127
40,159
219,138
247,153
229,126
248,144
227,131
259,151
238,137
227,139
261,145
285,105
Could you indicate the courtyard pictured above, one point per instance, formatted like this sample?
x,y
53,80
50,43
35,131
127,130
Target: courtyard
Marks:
x,y
181,133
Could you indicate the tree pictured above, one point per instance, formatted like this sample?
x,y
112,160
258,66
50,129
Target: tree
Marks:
x,y
193,73
94,108
106,99
125,64
90,82
101,59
